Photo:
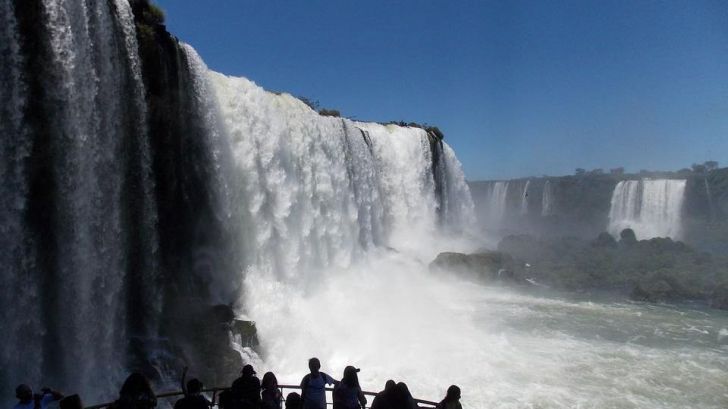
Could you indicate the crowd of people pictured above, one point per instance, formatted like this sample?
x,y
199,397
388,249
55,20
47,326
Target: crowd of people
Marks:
x,y
248,392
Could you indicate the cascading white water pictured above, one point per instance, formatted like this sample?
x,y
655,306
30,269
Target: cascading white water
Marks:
x,y
340,221
547,206
15,147
64,271
497,202
524,198
652,208
709,196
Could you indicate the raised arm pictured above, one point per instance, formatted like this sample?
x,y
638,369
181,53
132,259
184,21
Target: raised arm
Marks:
x,y
182,381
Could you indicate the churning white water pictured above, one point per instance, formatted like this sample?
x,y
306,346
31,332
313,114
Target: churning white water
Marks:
x,y
652,208
341,218
341,223
393,319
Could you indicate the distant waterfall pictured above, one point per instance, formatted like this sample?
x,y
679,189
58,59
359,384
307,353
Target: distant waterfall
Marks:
x,y
497,202
547,206
652,208
709,196
524,198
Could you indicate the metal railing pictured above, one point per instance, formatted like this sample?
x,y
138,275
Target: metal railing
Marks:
x,y
420,402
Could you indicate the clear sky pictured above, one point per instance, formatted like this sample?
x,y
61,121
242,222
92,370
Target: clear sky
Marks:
x,y
519,87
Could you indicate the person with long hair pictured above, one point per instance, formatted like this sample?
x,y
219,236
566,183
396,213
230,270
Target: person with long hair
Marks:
x,y
403,398
271,396
348,393
135,393
384,399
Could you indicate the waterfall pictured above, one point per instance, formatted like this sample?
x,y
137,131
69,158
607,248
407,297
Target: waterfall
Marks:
x,y
497,202
709,196
77,194
138,192
320,191
547,207
524,198
335,213
652,208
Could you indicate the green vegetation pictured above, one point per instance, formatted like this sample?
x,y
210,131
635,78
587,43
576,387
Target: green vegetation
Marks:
x,y
695,169
316,106
153,14
312,103
147,17
329,112
432,130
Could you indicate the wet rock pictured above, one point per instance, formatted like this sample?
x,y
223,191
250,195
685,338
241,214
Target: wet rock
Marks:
x,y
493,265
653,291
719,297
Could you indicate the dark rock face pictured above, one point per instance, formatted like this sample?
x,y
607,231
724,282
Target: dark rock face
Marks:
x,y
655,270
194,241
488,266
653,291
605,240
719,298
627,237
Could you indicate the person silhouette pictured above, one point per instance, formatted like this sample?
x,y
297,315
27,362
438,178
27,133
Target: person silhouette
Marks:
x,y
348,394
271,396
28,400
383,400
451,400
135,393
313,386
71,402
294,401
402,397
246,389
193,397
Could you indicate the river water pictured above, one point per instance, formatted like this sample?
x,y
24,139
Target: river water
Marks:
x,y
505,348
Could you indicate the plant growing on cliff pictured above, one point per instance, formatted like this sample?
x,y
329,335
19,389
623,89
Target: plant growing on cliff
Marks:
x,y
330,112
153,14
435,131
312,103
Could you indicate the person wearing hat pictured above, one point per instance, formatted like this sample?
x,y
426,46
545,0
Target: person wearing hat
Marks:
x,y
348,393
246,389
27,400
313,386
193,397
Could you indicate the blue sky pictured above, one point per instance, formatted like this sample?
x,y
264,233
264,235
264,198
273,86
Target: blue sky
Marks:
x,y
519,88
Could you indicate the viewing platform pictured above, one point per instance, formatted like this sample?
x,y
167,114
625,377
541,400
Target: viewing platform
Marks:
x,y
425,404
